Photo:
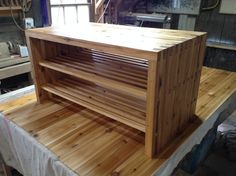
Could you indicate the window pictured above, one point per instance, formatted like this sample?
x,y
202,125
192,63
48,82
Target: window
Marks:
x,y
69,11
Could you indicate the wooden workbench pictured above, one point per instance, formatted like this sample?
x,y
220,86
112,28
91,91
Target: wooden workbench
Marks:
x,y
90,143
14,66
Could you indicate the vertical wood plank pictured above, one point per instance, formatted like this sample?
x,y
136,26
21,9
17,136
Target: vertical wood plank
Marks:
x,y
198,73
163,100
39,77
152,105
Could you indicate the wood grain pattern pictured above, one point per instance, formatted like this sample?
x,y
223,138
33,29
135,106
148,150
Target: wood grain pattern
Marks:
x,y
15,70
138,42
89,143
152,105
159,68
39,76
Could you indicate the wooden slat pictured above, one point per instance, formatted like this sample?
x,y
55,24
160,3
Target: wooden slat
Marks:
x,y
121,65
16,104
103,71
152,105
110,95
98,4
39,76
119,115
15,70
93,96
8,8
6,62
141,93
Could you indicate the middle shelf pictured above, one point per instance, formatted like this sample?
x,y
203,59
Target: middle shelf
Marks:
x,y
110,84
121,107
115,78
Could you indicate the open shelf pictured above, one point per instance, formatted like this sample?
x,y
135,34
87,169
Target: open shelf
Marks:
x,y
134,79
114,72
121,107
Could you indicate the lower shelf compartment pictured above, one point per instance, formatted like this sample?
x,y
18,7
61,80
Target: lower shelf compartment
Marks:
x,y
123,108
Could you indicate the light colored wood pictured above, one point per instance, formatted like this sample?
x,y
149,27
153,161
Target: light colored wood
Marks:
x,y
136,63
98,10
6,62
114,38
198,72
6,11
152,105
96,79
15,70
88,142
91,103
40,77
98,4
8,8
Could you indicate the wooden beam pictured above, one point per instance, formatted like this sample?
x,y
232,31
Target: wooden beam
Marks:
x,y
98,4
152,106
15,70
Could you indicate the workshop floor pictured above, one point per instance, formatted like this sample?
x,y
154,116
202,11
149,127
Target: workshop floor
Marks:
x,y
221,160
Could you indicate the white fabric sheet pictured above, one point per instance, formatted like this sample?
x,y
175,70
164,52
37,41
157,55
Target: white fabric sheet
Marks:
x,y
24,153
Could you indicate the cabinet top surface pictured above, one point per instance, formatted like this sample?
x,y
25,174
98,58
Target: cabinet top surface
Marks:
x,y
137,38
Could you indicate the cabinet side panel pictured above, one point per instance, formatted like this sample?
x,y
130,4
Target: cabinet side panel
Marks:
x,y
184,87
196,83
39,77
152,104
180,71
166,98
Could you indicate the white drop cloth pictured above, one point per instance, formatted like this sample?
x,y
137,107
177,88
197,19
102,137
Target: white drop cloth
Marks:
x,y
24,153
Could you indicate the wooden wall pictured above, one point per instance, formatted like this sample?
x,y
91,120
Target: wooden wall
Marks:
x,y
221,28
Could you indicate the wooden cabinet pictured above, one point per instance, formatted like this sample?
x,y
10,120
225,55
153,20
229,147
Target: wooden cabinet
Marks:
x,y
145,78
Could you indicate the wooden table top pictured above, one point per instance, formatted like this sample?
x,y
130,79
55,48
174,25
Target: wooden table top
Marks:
x,y
143,39
91,144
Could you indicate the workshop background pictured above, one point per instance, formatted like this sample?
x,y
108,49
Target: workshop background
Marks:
x,y
216,17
